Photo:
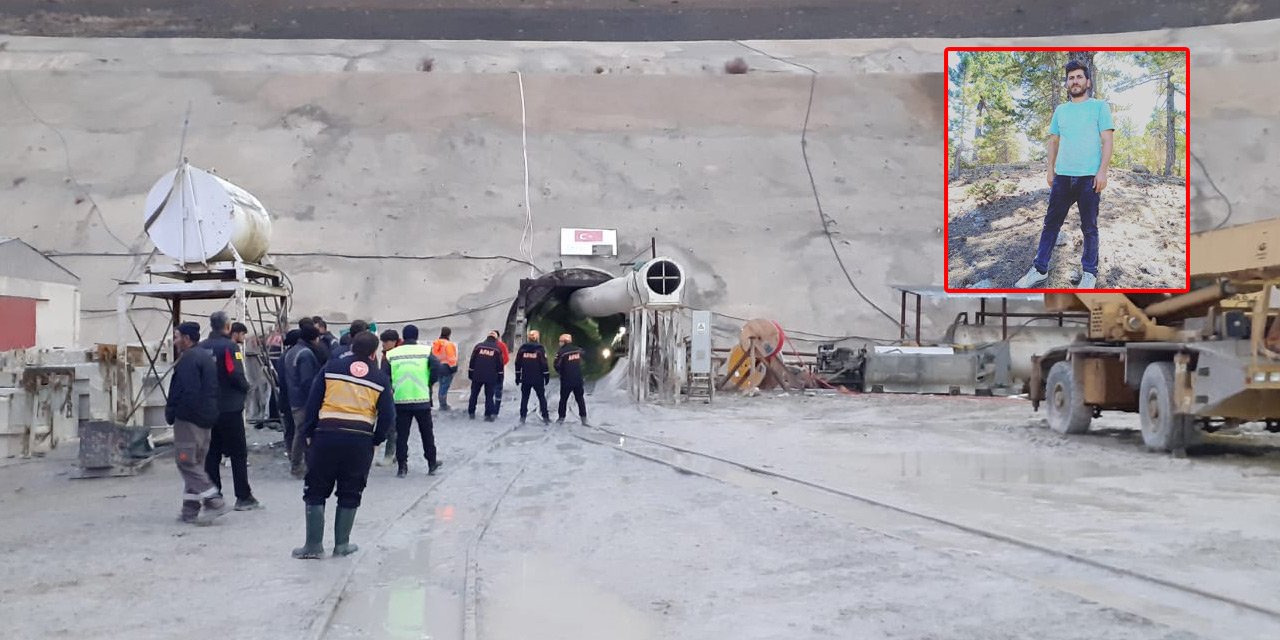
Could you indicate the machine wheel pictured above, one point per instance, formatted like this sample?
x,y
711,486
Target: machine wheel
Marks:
x,y
1065,397
1162,429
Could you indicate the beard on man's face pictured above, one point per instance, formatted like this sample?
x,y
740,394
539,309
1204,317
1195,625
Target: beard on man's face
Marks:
x,y
1076,89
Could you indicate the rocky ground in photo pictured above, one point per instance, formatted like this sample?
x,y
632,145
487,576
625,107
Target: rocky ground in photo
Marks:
x,y
996,214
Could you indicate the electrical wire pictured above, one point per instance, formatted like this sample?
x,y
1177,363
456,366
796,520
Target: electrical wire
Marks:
x,y
813,183
462,312
526,239
66,156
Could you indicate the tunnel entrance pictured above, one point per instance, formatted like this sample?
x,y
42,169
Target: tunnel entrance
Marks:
x,y
543,304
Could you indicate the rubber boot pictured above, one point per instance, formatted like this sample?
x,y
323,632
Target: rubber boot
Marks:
x,y
314,548
403,470
342,532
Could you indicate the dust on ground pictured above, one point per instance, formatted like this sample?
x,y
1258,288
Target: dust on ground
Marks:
x,y
996,214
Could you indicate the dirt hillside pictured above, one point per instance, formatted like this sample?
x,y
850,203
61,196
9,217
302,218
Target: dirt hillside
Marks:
x,y
996,215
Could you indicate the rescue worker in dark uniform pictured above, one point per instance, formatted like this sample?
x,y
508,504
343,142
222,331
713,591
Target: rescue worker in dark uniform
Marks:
x,y
349,413
569,368
502,373
192,409
485,371
411,365
228,437
533,373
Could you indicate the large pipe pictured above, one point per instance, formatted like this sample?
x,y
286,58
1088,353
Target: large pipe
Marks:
x,y
658,282
1200,297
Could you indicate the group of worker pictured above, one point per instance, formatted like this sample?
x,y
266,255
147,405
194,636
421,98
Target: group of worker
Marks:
x,y
343,397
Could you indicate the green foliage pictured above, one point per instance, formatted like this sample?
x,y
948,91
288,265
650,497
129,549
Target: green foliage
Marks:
x,y
984,191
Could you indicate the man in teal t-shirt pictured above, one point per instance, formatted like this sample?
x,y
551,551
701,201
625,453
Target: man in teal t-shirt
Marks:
x,y
1080,136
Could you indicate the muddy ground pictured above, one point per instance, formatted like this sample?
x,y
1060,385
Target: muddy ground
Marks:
x,y
991,240
539,534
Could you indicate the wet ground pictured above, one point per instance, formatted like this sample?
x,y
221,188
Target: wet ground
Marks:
x,y
802,517
612,20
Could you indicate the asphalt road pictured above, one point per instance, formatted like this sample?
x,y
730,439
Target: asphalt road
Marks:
x,y
614,20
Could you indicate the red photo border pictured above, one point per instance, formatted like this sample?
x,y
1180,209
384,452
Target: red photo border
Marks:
x,y
946,163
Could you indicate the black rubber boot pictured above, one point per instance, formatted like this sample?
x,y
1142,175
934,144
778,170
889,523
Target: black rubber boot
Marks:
x,y
342,532
314,548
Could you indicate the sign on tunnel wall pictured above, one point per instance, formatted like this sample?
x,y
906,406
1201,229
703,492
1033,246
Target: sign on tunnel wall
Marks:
x,y
588,242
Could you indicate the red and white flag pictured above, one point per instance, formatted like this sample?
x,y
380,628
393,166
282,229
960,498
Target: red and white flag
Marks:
x,y
588,235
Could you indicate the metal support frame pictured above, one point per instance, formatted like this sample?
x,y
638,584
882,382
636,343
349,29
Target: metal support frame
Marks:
x,y
244,283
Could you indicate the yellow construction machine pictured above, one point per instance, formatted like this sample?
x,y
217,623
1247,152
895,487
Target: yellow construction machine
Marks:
x,y
1184,362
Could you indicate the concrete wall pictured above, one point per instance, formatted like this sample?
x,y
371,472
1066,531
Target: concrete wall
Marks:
x,y
57,309
357,152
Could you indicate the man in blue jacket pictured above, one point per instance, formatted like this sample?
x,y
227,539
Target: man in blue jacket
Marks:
x,y
301,367
350,411
192,409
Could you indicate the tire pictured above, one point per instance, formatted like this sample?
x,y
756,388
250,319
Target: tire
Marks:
x,y
1065,397
1162,429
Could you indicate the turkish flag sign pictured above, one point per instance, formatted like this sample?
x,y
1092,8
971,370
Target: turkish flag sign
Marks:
x,y
588,235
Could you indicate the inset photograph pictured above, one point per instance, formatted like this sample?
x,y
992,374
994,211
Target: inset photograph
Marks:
x,y
1067,169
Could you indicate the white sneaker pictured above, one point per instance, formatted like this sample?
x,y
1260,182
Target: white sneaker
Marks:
x,y
1088,281
1032,279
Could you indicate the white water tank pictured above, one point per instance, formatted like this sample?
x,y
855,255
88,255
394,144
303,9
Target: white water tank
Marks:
x,y
194,216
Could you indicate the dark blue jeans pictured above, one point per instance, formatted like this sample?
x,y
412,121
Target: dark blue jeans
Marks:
x,y
1066,191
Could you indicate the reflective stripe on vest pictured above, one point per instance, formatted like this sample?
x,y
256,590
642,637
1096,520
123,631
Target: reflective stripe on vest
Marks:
x,y
410,373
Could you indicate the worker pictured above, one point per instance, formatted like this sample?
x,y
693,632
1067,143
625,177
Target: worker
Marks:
x,y
533,373
291,340
301,366
485,370
326,337
411,365
502,373
228,437
192,409
446,352
349,413
256,400
390,340
318,347
344,343
569,368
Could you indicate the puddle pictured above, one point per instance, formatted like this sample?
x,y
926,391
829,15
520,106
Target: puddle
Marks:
x,y
981,467
535,597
